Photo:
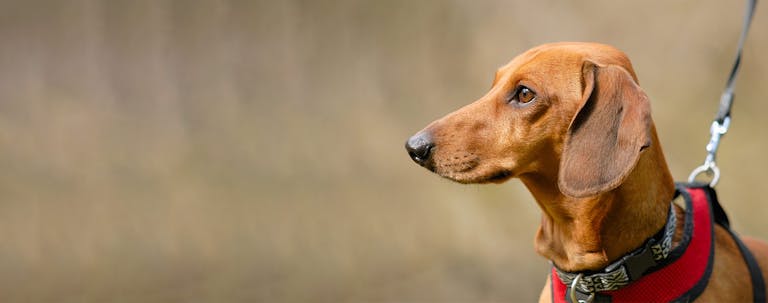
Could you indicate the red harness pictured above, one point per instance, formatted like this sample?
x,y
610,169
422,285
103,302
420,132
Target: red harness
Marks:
x,y
684,276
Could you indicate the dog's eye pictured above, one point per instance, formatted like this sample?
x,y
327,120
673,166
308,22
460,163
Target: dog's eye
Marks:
x,y
524,95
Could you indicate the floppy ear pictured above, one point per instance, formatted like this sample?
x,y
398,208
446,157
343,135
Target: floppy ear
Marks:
x,y
607,134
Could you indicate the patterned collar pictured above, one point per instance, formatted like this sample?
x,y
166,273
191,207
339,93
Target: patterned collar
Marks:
x,y
628,268
653,268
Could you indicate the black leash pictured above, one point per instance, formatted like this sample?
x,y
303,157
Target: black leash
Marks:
x,y
718,129
723,118
726,100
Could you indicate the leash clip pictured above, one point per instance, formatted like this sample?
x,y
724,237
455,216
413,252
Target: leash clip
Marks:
x,y
710,167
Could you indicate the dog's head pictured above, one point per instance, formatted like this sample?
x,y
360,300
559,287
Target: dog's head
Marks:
x,y
572,110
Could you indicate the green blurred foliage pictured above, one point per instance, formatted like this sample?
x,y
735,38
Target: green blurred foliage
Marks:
x,y
252,151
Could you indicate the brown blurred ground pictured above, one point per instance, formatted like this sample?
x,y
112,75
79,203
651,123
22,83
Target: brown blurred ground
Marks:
x,y
241,151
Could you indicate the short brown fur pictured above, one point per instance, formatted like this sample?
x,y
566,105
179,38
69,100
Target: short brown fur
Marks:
x,y
587,150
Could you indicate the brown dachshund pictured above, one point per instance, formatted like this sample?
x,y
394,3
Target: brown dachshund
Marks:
x,y
570,121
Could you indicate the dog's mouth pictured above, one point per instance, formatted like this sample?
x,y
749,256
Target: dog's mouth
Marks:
x,y
471,178
500,176
476,174
467,168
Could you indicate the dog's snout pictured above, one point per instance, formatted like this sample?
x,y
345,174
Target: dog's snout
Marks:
x,y
420,147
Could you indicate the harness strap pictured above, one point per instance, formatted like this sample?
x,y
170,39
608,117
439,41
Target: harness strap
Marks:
x,y
653,254
681,279
685,275
755,274
758,284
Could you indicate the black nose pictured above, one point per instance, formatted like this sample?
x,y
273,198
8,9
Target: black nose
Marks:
x,y
419,147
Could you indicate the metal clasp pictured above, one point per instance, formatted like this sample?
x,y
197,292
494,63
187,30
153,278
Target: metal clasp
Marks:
x,y
710,167
573,291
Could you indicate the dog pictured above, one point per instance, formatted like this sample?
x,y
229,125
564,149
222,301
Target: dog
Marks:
x,y
571,122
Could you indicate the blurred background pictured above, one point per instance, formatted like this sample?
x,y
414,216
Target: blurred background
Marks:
x,y
252,151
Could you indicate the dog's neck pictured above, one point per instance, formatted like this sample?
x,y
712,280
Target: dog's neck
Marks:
x,y
580,234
